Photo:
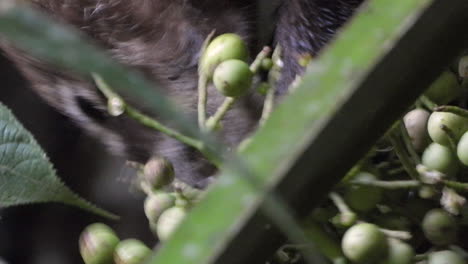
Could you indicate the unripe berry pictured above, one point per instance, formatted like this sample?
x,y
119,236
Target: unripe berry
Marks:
x,y
224,47
131,251
232,78
97,244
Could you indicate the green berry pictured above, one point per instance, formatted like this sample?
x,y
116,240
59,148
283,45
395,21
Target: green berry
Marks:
x,y
158,172
455,123
232,78
439,227
364,243
462,149
399,253
416,124
440,158
224,47
97,244
267,64
131,251
427,192
169,221
344,219
363,198
445,257
445,89
263,88
156,204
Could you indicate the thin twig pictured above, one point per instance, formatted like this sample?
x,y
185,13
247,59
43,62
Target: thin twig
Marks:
x,y
152,123
390,185
409,145
220,113
452,109
203,84
452,139
257,63
428,103
403,156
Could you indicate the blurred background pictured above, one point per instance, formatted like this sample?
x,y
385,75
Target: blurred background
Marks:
x,y
48,233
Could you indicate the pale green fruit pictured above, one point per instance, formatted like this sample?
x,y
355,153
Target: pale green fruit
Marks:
x,y
364,243
456,124
224,47
97,243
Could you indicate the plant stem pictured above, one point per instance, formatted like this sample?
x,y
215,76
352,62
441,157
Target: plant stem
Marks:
x,y
222,110
403,235
451,137
459,186
273,77
395,171
427,102
391,185
115,104
452,109
203,84
202,98
152,123
409,146
255,65
340,203
268,105
403,156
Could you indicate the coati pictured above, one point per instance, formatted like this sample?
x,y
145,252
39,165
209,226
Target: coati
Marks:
x,y
162,39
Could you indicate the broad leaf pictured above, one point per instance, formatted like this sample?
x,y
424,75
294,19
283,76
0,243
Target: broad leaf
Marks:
x,y
26,174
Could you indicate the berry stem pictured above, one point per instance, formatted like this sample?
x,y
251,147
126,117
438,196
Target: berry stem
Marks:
x,y
154,124
115,104
340,203
390,185
451,137
268,105
203,84
398,234
214,120
257,63
273,77
202,98
405,160
459,186
452,109
409,146
428,103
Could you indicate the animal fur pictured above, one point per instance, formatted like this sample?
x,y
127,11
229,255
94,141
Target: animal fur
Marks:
x,y
162,39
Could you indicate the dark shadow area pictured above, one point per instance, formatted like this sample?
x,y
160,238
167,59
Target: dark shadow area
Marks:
x,y
48,233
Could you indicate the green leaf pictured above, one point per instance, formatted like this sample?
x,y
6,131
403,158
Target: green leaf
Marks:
x,y
26,174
